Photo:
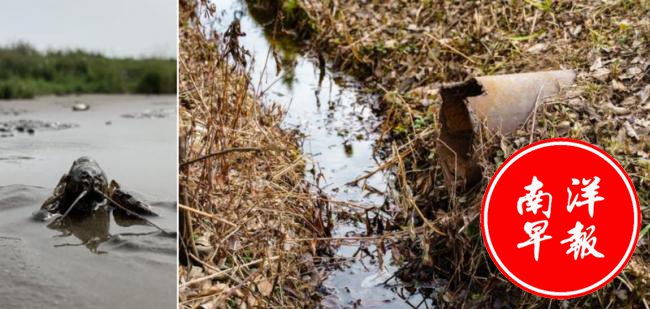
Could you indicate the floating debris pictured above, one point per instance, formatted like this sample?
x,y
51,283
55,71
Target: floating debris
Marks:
x,y
31,126
12,111
15,158
148,114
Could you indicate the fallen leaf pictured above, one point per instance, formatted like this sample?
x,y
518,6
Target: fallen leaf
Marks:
x,y
596,65
644,94
601,74
629,129
265,287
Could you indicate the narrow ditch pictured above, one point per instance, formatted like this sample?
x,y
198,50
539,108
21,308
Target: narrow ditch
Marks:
x,y
340,130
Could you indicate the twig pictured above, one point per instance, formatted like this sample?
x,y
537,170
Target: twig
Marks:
x,y
219,153
383,236
409,198
388,163
450,47
219,273
367,36
211,216
532,126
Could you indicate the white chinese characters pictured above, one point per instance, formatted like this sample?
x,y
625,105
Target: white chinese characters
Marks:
x,y
589,193
533,201
535,231
582,243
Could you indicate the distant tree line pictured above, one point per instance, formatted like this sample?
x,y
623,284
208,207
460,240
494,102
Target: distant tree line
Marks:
x,y
26,72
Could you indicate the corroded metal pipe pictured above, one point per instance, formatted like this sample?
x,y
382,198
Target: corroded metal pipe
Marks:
x,y
499,103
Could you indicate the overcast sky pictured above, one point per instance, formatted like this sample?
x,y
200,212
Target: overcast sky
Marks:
x,y
122,28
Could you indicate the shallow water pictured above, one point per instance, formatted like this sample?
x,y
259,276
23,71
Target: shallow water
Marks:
x,y
339,129
97,262
140,153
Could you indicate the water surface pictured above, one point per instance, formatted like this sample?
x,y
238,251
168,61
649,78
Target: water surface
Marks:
x,y
340,132
103,261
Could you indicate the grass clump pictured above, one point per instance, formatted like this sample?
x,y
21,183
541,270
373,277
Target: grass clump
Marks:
x,y
249,223
26,72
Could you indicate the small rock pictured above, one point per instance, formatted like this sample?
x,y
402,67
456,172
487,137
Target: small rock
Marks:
x,y
601,74
631,73
265,287
634,70
80,107
621,294
576,30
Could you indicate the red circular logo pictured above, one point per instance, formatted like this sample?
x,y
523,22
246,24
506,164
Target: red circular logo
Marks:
x,y
560,218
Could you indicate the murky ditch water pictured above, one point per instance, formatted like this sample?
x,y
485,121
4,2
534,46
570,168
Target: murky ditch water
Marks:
x,y
340,131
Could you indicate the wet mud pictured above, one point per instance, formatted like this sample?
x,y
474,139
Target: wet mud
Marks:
x,y
99,261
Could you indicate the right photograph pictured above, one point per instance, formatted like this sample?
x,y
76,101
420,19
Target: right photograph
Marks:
x,y
343,154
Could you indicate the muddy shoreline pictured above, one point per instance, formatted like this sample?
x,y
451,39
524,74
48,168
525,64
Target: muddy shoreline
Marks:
x,y
109,264
114,131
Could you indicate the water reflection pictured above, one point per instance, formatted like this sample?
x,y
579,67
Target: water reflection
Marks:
x,y
338,130
92,229
285,45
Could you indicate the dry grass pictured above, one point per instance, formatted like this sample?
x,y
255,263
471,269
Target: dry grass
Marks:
x,y
248,219
403,50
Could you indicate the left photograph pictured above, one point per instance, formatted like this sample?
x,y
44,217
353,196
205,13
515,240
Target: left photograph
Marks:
x,y
88,154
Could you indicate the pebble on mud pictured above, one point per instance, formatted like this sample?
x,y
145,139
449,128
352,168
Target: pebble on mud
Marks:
x,y
80,107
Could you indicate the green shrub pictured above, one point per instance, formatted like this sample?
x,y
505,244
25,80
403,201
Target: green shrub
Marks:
x,y
26,72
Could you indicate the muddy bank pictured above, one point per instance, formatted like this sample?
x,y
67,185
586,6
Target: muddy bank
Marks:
x,y
99,262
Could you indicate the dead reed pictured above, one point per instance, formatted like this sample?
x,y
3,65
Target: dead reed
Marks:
x,y
250,226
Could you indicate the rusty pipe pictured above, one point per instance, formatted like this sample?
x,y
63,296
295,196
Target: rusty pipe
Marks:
x,y
498,103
